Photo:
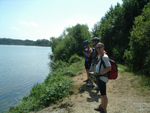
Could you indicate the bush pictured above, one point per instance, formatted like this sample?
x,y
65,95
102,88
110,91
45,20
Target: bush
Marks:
x,y
74,58
54,88
57,64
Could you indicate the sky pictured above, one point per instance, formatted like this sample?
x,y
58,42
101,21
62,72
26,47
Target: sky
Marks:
x,y
42,19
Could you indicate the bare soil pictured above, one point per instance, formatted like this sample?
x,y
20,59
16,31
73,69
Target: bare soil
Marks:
x,y
123,97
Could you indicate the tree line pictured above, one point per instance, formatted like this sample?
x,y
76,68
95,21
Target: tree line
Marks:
x,y
125,31
8,41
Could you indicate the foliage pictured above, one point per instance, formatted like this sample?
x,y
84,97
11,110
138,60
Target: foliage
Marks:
x,y
138,56
55,87
7,41
69,43
55,41
114,28
74,58
57,64
42,95
42,42
137,80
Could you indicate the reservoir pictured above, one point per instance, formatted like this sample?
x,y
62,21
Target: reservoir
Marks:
x,y
20,68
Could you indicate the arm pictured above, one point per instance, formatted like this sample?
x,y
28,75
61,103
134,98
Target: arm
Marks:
x,y
88,54
105,70
107,65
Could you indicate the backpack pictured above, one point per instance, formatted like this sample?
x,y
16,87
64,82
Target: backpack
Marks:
x,y
113,73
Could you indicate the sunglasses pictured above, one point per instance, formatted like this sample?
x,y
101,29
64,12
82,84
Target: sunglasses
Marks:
x,y
98,47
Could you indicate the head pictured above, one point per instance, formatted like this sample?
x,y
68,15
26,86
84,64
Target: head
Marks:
x,y
85,43
100,48
95,40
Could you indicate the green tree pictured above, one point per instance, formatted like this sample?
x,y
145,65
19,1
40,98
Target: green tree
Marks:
x,y
114,28
70,42
54,42
138,56
42,42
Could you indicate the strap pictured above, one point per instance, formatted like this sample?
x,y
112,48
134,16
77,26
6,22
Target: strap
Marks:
x,y
102,62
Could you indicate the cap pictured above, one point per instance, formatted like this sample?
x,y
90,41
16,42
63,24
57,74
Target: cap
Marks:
x,y
85,42
95,39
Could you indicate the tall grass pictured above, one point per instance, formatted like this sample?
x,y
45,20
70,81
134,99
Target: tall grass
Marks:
x,y
137,80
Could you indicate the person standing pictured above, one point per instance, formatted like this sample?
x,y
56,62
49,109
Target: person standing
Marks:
x,y
88,56
103,79
95,41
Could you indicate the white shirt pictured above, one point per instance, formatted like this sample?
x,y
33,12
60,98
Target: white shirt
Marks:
x,y
107,64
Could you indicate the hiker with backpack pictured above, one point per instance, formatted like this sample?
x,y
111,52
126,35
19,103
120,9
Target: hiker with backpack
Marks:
x,y
95,41
101,72
88,57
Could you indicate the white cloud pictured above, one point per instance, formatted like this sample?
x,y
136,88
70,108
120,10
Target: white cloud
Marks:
x,y
15,28
22,22
34,24
28,23
42,32
81,19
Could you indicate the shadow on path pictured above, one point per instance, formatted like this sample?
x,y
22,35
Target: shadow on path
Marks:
x,y
94,94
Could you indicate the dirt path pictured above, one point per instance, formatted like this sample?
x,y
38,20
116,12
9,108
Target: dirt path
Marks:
x,y
122,98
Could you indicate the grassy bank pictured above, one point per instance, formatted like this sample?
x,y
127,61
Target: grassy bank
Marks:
x,y
137,80
56,86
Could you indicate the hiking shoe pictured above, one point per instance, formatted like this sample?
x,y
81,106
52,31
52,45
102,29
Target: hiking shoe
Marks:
x,y
103,111
86,80
99,108
96,88
90,84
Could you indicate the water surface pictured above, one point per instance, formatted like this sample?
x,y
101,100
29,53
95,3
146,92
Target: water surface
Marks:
x,y
20,68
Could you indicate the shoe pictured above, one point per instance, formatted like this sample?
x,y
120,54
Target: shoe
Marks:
x,y
86,80
99,108
96,88
90,84
103,111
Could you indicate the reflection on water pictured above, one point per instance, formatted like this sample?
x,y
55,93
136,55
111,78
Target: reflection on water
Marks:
x,y
20,68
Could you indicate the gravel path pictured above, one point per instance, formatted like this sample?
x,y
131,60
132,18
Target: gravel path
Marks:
x,y
123,97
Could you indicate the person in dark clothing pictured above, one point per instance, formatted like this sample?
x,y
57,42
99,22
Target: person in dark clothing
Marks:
x,y
87,52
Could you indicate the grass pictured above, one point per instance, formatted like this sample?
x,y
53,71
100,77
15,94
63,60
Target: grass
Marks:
x,y
137,80
56,86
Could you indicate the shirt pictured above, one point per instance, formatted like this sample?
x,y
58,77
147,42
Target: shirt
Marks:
x,y
88,50
107,64
94,60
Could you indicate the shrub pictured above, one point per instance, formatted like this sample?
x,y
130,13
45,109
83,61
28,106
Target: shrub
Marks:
x,y
55,87
57,64
74,58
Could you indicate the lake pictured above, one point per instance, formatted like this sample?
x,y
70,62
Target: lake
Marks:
x,y
20,68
